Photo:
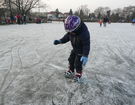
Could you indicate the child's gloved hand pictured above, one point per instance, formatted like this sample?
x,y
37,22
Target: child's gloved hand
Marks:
x,y
84,60
56,42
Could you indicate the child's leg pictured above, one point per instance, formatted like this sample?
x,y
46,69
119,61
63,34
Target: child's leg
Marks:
x,y
78,65
71,60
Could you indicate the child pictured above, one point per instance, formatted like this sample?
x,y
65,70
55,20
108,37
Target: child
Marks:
x,y
79,36
100,22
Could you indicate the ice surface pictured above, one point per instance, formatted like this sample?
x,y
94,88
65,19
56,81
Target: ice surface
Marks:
x,y
32,68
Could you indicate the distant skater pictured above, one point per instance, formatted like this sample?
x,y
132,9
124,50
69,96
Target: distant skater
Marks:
x,y
105,20
100,22
133,21
24,19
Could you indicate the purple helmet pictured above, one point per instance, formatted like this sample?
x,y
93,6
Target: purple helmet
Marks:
x,y
71,23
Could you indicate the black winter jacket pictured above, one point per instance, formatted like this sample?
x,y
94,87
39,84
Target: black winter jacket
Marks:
x,y
80,41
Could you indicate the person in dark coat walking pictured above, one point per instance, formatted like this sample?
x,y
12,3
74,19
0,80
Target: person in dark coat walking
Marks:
x,y
78,34
105,20
18,18
24,19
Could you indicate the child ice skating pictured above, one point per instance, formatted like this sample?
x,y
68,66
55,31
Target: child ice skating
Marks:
x,y
100,22
78,34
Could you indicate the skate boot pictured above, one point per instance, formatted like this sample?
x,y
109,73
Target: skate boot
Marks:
x,y
77,77
69,74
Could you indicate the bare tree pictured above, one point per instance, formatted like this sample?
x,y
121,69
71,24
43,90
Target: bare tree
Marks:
x,y
1,3
2,8
83,11
101,10
117,11
41,6
24,6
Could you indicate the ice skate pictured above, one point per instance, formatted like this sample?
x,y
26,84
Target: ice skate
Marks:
x,y
69,74
77,78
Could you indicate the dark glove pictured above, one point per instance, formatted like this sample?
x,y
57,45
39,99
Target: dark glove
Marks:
x,y
84,60
56,42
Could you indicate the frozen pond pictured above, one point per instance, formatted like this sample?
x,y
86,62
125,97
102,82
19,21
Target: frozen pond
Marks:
x,y
32,68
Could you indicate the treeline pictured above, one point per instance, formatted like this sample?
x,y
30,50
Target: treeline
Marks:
x,y
10,8
126,14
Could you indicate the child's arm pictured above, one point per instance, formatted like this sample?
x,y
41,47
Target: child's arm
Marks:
x,y
85,37
86,47
62,40
65,39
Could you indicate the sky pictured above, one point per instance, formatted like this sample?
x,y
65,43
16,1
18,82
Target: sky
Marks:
x,y
66,5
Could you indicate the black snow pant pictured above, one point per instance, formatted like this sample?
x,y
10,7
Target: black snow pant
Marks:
x,y
74,62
